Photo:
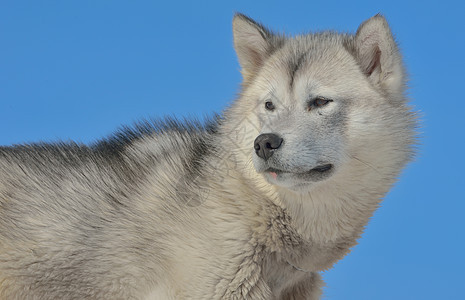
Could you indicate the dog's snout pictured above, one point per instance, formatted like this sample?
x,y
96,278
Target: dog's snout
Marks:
x,y
266,143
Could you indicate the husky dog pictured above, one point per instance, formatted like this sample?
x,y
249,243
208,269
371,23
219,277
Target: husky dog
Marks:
x,y
250,205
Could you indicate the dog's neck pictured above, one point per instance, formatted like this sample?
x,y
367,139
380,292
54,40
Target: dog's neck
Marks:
x,y
333,210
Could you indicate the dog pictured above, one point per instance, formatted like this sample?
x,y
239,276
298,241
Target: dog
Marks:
x,y
251,204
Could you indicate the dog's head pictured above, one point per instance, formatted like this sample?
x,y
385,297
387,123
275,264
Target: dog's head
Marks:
x,y
314,105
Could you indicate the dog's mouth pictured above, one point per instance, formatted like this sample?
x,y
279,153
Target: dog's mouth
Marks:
x,y
322,168
315,172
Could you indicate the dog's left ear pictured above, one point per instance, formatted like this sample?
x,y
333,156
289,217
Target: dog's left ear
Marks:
x,y
379,57
253,43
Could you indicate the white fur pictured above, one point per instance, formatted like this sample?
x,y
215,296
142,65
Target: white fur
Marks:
x,y
182,211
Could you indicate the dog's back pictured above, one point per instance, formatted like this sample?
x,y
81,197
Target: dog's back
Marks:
x,y
56,203
73,218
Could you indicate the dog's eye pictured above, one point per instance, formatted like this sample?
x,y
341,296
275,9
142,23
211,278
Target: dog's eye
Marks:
x,y
319,102
269,105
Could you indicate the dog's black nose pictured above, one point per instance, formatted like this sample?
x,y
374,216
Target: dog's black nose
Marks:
x,y
266,143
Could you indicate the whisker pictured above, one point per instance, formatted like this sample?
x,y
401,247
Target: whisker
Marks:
x,y
364,163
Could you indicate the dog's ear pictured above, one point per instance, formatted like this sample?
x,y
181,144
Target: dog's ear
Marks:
x,y
378,55
253,44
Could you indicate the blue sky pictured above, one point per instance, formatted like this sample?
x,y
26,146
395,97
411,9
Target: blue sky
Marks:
x,y
80,69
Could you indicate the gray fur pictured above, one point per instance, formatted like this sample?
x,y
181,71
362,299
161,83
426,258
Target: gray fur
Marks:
x,y
181,210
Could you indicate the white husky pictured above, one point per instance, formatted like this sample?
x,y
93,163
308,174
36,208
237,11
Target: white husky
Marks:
x,y
251,205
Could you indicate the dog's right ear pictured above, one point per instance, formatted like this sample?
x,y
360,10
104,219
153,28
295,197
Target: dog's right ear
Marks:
x,y
253,44
378,55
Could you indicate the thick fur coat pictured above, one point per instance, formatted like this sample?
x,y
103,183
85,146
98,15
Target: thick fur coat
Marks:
x,y
181,210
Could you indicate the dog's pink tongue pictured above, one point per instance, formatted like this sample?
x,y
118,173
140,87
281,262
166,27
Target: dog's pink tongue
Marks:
x,y
274,175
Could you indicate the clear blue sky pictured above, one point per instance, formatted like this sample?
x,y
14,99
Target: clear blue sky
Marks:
x,y
79,69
